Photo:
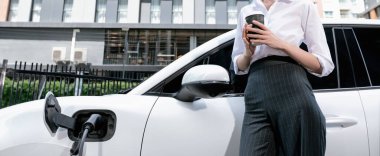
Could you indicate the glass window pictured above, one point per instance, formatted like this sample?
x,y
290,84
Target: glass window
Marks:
x,y
330,81
155,11
67,10
361,75
206,35
148,47
36,11
329,14
369,42
122,11
177,11
210,12
114,46
101,11
345,67
12,16
232,12
345,14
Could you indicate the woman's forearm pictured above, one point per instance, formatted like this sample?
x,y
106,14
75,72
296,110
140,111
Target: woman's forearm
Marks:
x,y
304,58
243,61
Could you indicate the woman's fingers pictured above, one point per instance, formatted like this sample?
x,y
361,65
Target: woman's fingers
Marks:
x,y
258,41
257,36
258,31
260,25
245,34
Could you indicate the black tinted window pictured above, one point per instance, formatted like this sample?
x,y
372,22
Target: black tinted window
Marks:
x,y
369,41
346,74
330,81
361,76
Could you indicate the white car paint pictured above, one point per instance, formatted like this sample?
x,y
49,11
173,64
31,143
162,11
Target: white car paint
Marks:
x,y
345,123
23,131
371,103
206,127
214,73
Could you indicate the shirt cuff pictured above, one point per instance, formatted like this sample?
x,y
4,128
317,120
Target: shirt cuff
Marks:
x,y
237,70
326,64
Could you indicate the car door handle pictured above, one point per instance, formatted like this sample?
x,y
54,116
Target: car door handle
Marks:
x,y
339,121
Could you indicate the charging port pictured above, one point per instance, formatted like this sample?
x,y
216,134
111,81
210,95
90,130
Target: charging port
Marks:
x,y
105,130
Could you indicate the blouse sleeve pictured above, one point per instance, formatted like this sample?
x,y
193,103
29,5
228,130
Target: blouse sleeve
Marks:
x,y
238,48
315,39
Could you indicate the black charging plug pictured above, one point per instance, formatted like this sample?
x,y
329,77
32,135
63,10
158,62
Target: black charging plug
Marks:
x,y
87,127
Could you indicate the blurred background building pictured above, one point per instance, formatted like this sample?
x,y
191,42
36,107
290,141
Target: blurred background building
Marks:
x,y
372,9
132,32
341,8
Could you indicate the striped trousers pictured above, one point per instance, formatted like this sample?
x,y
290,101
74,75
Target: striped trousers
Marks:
x,y
282,117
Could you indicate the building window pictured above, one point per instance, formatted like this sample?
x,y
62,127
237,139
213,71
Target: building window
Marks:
x,y
329,14
232,12
100,11
155,11
12,16
177,11
345,14
343,1
67,10
36,10
114,47
122,11
151,47
210,12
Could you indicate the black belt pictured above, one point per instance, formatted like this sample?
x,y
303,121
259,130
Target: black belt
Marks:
x,y
276,58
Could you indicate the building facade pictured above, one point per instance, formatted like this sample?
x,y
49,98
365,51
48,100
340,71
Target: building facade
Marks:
x,y
101,32
342,8
109,32
372,9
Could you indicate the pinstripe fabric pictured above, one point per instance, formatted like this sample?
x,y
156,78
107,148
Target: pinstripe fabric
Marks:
x,y
282,117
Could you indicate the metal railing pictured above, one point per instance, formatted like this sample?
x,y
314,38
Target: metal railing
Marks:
x,y
24,82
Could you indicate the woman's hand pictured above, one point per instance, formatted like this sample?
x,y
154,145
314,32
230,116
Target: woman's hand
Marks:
x,y
265,36
249,48
244,60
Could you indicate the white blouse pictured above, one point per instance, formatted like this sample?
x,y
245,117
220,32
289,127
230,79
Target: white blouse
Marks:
x,y
294,21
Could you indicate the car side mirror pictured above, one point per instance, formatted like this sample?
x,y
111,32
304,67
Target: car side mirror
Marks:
x,y
203,81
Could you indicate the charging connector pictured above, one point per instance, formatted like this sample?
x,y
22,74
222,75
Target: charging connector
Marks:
x,y
87,127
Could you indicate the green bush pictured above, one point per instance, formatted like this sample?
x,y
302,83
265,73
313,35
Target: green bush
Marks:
x,y
27,91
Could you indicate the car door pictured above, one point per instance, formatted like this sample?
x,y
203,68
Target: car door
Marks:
x,y
339,100
203,127
368,48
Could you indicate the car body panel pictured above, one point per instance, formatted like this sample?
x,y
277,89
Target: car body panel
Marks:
x,y
371,104
203,127
342,138
30,131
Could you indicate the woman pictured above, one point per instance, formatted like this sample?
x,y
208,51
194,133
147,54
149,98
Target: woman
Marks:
x,y
282,116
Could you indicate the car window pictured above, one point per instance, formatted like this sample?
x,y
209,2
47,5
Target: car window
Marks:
x,y
369,42
361,75
222,57
330,81
345,67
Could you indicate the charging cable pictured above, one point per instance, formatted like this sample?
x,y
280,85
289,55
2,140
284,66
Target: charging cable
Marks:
x,y
87,127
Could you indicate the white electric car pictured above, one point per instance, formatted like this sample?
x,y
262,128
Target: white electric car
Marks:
x,y
189,109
